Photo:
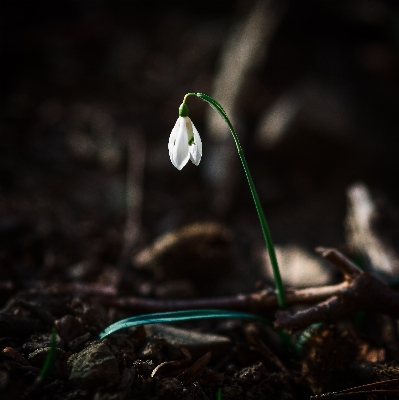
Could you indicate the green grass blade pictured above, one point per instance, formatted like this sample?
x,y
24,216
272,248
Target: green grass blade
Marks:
x,y
262,219
175,316
51,356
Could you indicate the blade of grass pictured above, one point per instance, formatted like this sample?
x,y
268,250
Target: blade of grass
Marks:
x,y
46,369
262,219
50,359
175,316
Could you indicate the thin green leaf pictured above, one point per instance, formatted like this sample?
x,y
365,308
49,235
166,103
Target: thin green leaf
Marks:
x,y
50,359
262,219
215,105
175,316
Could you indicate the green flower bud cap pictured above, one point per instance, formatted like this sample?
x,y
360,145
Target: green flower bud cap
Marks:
x,y
183,110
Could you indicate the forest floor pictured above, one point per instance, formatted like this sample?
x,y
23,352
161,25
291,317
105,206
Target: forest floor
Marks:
x,y
96,225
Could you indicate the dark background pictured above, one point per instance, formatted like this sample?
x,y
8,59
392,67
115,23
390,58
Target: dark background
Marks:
x,y
78,78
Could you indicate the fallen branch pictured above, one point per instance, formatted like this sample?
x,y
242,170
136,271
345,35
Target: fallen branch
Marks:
x,y
358,291
364,389
253,302
106,295
362,292
7,288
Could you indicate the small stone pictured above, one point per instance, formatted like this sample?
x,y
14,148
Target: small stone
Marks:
x,y
250,376
122,348
144,368
77,344
14,355
155,350
92,316
69,328
94,367
41,341
196,343
38,357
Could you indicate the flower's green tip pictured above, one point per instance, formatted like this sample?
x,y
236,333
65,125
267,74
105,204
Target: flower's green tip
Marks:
x,y
183,110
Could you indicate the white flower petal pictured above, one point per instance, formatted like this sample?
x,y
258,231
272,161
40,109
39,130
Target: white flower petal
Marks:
x,y
179,153
172,136
196,148
195,156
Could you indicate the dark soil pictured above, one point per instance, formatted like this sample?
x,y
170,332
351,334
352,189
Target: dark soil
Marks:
x,y
79,80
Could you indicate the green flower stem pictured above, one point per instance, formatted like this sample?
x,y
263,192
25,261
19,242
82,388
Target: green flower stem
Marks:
x,y
265,229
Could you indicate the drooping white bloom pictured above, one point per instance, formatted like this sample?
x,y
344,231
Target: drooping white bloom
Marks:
x,y
184,143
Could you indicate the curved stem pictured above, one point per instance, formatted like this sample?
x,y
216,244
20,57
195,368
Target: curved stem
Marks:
x,y
265,229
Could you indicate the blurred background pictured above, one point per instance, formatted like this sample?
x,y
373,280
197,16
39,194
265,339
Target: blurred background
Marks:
x,y
90,92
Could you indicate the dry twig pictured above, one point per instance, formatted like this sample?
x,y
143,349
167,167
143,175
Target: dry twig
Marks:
x,y
358,291
360,390
362,292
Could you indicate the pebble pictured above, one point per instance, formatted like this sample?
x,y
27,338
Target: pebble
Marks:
x,y
41,341
14,355
69,328
38,357
77,344
94,367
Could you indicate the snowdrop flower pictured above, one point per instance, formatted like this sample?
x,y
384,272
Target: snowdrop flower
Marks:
x,y
184,141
